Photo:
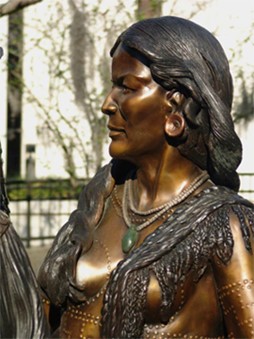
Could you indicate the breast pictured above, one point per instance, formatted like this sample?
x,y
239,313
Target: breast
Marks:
x,y
191,302
93,269
154,300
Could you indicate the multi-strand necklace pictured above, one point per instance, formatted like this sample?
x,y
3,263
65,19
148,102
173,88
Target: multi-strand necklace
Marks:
x,y
131,236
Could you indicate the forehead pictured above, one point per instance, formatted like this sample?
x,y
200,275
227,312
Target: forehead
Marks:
x,y
124,64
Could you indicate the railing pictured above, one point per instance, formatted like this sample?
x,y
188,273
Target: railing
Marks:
x,y
39,208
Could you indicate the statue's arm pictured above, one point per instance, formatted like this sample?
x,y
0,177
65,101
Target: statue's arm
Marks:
x,y
235,283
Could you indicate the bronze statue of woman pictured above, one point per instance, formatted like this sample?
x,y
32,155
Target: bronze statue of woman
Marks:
x,y
161,245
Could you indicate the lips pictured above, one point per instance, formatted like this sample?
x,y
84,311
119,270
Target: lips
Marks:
x,y
115,131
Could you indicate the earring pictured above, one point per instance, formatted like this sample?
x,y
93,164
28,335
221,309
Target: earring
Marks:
x,y
174,125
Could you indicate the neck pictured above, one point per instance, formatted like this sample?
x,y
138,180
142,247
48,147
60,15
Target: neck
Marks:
x,y
160,180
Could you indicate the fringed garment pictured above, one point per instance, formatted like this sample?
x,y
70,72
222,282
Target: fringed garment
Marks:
x,y
186,243
197,231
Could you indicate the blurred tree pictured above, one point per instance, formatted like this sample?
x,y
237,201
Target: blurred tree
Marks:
x,y
71,58
148,8
14,93
12,6
77,60
244,105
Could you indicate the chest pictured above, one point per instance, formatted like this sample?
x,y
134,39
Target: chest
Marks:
x,y
192,301
95,266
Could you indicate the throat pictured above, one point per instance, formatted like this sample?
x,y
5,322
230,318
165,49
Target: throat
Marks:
x,y
137,220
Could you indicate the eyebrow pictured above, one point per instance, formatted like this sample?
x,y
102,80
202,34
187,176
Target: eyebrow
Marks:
x,y
121,78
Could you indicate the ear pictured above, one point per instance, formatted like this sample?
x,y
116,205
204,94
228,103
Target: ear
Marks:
x,y
175,99
175,122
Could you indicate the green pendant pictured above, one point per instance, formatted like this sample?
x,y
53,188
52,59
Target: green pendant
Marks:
x,y
129,240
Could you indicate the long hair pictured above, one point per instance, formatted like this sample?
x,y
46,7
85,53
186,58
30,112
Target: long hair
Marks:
x,y
186,57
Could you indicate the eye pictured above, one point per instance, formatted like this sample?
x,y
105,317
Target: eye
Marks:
x,y
122,86
125,89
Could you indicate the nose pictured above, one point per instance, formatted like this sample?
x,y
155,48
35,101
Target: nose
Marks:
x,y
109,106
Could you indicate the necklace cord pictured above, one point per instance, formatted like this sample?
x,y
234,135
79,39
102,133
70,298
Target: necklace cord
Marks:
x,y
159,210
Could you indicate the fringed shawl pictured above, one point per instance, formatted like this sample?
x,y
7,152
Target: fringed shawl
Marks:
x,y
197,231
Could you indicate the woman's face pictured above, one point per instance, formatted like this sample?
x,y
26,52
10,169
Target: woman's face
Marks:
x,y
136,107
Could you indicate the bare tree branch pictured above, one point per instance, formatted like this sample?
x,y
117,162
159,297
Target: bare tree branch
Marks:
x,y
15,5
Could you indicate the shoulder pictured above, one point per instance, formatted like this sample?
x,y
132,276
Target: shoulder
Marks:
x,y
234,229
233,223
221,220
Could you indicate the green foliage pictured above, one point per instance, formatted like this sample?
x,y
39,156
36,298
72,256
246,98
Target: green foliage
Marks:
x,y
43,190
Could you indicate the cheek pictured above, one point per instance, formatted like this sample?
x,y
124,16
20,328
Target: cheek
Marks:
x,y
144,109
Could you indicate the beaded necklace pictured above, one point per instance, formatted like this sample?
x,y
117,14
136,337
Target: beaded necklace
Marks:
x,y
131,236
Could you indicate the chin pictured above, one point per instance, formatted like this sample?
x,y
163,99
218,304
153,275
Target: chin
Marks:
x,y
122,151
116,155
116,151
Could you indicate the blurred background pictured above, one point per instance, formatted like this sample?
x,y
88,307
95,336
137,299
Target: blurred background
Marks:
x,y
54,75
